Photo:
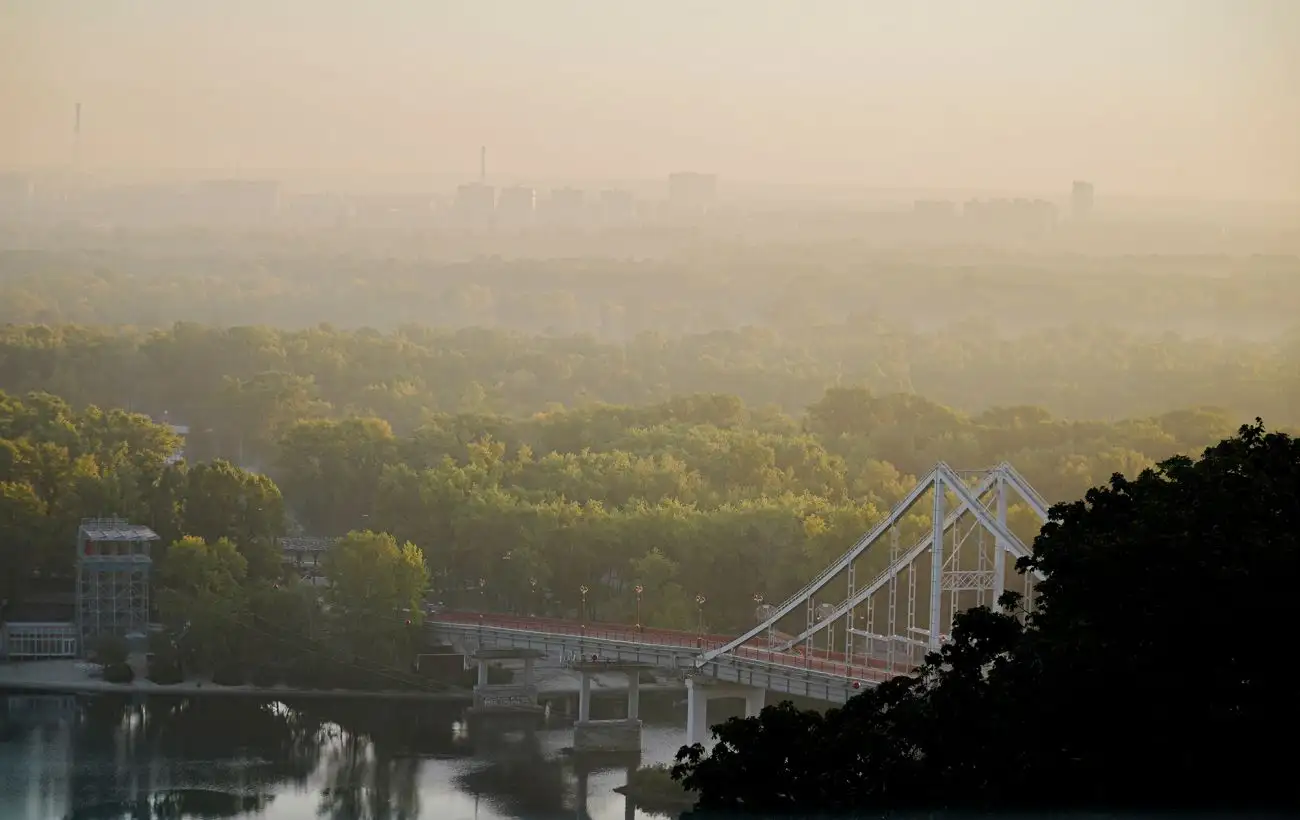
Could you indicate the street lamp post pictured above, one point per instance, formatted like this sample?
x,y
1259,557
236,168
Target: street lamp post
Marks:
x,y
699,605
506,557
639,589
482,597
532,603
583,617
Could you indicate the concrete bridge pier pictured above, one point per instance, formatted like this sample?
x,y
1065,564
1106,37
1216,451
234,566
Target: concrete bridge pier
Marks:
x,y
608,735
698,694
516,699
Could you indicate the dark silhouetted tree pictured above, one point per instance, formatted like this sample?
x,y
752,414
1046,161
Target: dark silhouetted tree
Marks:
x,y
1132,683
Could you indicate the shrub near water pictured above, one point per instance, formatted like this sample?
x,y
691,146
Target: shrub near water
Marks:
x,y
110,650
267,676
164,662
164,671
119,673
653,788
229,675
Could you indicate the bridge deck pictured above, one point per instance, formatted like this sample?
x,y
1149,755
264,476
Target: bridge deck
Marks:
x,y
681,645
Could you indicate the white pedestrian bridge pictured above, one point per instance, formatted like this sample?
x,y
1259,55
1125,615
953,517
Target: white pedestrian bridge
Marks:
x,y
833,637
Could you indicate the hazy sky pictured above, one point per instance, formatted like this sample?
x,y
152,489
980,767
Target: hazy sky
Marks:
x,y
1176,97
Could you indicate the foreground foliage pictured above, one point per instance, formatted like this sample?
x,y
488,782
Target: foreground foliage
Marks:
x,y
1121,688
653,789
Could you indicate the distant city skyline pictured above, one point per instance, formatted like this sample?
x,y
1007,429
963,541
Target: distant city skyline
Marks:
x,y
443,188
444,183
1186,98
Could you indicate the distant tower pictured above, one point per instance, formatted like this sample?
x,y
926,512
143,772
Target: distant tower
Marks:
x,y
1081,200
475,203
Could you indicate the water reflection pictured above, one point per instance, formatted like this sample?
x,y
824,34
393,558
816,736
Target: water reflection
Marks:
x,y
518,788
156,757
175,805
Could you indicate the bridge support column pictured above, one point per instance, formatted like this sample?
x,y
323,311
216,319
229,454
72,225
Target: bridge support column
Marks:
x,y
698,695
633,695
515,701
584,698
697,713
619,735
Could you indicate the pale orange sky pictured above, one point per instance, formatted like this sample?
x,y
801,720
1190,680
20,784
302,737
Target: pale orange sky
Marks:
x,y
1160,97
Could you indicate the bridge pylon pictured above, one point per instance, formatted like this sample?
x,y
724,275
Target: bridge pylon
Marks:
x,y
942,549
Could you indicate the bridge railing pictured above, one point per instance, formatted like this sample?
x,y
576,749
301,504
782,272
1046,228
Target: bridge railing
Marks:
x,y
861,667
595,630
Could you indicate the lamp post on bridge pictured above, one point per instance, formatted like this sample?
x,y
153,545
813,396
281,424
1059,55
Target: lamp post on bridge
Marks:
x,y
583,612
532,601
699,605
506,557
639,589
482,597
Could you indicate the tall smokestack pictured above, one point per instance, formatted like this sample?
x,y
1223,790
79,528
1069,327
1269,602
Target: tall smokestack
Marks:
x,y
482,164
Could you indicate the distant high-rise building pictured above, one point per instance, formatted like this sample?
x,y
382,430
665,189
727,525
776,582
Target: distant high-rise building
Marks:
x,y
617,207
515,207
1081,200
475,205
1010,217
567,208
689,192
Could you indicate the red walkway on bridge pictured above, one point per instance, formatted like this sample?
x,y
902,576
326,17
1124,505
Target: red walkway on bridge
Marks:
x,y
758,649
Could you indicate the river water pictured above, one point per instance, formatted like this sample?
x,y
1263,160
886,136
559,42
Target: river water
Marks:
x,y
151,757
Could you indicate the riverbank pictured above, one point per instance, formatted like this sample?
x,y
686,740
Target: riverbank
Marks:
x,y
67,677
70,677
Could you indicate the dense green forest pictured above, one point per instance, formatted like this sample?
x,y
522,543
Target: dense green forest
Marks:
x,y
721,424
239,388
59,465
699,494
220,587
153,281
